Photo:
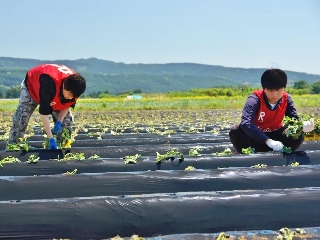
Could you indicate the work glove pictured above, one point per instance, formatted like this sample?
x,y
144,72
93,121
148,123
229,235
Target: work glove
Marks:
x,y
52,144
275,145
57,128
308,126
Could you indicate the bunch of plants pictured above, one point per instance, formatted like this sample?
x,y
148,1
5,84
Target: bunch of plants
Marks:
x,y
295,126
9,159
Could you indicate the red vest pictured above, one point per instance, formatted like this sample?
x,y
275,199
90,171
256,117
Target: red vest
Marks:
x,y
267,120
58,73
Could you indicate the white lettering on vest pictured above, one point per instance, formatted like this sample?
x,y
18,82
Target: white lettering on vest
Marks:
x,y
262,114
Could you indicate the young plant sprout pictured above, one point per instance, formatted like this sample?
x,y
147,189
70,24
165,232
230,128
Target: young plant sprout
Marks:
x,y
194,152
33,159
73,156
131,159
190,168
94,157
259,166
248,150
72,172
22,144
227,151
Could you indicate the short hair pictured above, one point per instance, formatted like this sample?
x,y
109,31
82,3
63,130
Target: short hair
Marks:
x,y
274,79
76,84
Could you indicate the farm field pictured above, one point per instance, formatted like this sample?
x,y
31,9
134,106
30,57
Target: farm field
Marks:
x,y
158,174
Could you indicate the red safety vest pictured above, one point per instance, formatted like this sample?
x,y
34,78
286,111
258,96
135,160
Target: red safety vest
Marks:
x,y
58,73
267,120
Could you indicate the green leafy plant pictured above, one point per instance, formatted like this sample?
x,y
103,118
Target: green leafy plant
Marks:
x,y
72,172
294,126
194,152
93,157
286,149
190,168
222,236
259,166
33,159
170,154
226,151
287,234
9,159
131,159
22,144
73,156
295,164
65,140
248,150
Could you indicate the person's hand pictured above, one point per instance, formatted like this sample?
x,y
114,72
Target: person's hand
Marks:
x,y
52,144
57,128
308,126
275,145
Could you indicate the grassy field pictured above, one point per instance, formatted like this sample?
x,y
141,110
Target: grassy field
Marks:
x,y
165,103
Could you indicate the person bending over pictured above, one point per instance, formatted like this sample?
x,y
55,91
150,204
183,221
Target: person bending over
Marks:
x,y
55,88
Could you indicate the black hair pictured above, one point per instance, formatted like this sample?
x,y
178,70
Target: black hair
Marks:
x,y
76,84
274,79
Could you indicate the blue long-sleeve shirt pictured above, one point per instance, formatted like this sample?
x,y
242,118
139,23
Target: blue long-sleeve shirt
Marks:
x,y
251,108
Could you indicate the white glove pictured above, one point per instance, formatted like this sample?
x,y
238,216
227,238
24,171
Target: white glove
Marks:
x,y
275,145
308,126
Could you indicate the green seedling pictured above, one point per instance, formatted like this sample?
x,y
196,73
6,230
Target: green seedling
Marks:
x,y
295,164
225,152
248,150
22,144
131,159
286,149
194,152
294,126
190,168
33,159
170,154
259,166
287,234
73,156
94,157
72,172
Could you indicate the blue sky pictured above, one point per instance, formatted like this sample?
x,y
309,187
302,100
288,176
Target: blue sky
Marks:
x,y
230,33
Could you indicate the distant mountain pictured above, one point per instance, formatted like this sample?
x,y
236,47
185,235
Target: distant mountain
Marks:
x,y
115,77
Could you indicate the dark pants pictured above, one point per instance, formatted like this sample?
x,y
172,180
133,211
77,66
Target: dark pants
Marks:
x,y
240,140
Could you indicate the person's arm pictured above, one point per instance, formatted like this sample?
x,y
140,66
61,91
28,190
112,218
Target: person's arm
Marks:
x,y
62,114
47,93
248,113
46,124
291,110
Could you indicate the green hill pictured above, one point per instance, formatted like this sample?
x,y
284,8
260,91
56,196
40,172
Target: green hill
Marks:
x,y
115,77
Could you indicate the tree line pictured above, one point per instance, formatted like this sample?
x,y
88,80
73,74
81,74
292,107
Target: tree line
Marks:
x,y
299,88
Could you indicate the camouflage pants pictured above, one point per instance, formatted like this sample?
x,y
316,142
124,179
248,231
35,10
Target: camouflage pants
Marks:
x,y
23,113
